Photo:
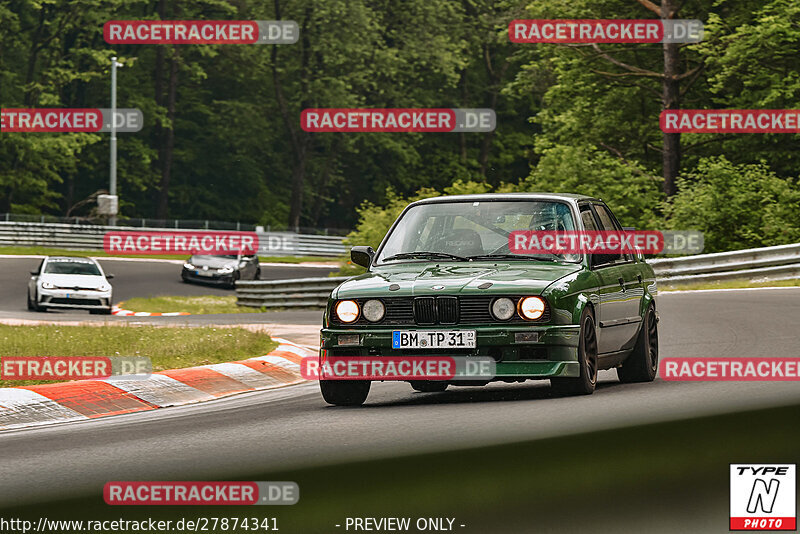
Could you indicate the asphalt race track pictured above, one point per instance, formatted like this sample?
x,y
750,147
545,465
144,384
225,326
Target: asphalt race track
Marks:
x,y
292,427
139,278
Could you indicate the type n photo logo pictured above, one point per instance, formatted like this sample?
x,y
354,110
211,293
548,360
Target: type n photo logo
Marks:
x,y
763,497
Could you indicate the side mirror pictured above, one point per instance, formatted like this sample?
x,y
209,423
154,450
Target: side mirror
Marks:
x,y
362,256
35,273
109,276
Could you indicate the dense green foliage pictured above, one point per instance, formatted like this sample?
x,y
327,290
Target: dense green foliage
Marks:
x,y
223,141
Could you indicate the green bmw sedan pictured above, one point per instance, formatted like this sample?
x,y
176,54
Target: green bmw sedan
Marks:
x,y
447,281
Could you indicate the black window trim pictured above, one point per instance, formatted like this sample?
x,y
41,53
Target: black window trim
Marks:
x,y
626,258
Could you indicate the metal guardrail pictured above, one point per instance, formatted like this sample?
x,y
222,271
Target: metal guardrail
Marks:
x,y
90,237
759,264
300,293
175,224
756,264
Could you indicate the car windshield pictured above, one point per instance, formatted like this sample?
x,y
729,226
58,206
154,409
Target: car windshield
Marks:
x,y
462,231
71,267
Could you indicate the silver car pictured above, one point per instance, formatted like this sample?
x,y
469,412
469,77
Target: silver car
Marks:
x,y
68,282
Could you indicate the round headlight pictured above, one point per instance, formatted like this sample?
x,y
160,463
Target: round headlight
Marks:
x,y
347,311
531,307
374,310
503,309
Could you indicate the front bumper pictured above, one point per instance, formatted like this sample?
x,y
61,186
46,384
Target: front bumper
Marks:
x,y
211,277
554,353
75,299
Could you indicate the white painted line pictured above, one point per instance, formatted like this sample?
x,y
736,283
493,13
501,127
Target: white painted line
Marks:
x,y
160,390
663,292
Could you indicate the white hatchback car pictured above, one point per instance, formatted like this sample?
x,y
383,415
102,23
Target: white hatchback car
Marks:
x,y
67,282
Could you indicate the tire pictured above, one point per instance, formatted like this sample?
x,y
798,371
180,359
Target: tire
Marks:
x,y
30,303
344,392
587,358
258,275
642,364
236,276
104,311
429,386
35,305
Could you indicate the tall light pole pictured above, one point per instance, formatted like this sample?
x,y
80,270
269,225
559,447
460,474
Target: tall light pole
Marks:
x,y
112,185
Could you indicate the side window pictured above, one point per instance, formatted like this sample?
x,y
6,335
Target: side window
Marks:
x,y
588,218
609,223
39,268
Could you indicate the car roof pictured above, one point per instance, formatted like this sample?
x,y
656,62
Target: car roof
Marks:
x,y
486,197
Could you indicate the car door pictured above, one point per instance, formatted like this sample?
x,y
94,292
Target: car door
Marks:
x,y
624,290
606,310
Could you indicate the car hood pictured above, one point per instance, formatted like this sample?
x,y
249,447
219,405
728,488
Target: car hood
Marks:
x,y
212,262
73,280
413,279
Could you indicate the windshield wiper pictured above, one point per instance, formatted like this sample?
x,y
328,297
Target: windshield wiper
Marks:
x,y
425,255
524,257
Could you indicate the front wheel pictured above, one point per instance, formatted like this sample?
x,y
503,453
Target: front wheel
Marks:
x,y
642,364
236,276
344,392
34,304
587,358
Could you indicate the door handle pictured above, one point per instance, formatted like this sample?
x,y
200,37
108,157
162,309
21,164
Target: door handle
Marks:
x,y
621,283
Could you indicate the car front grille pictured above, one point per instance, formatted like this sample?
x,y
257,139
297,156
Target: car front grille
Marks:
x,y
447,310
76,288
425,310
440,310
81,302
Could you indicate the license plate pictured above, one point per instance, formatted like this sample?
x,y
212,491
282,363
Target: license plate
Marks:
x,y
203,273
433,339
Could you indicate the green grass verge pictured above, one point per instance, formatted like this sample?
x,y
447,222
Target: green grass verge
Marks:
x,y
48,251
663,477
732,284
195,305
167,347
